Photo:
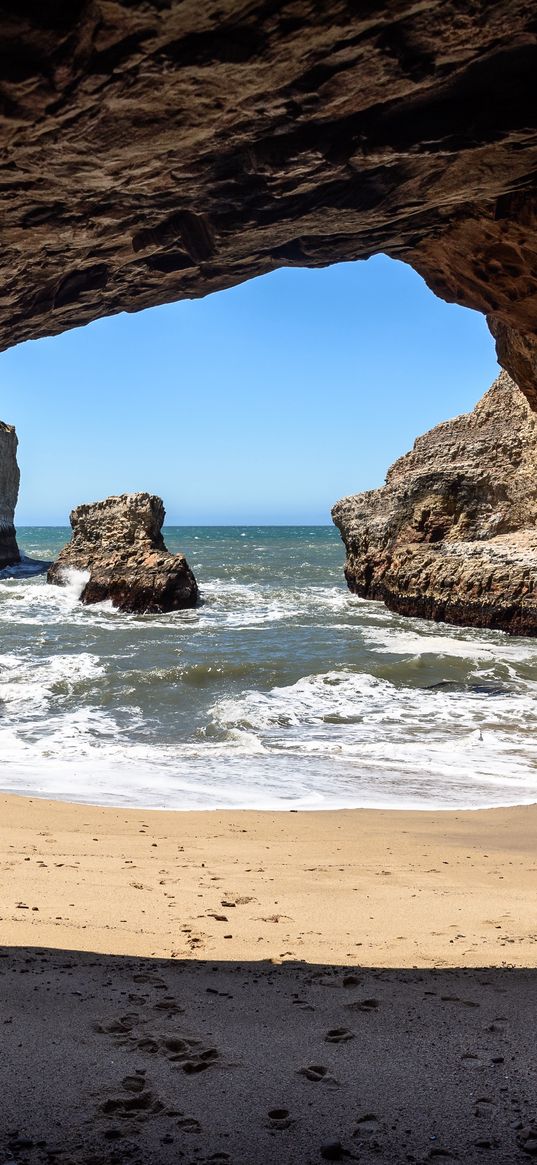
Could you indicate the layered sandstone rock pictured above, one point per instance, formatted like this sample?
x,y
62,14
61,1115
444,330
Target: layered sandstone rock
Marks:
x,y
162,149
119,543
452,535
9,492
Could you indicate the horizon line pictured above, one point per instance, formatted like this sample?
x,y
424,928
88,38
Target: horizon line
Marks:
x,y
193,525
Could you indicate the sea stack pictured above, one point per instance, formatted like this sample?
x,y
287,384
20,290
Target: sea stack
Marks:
x,y
119,543
9,492
452,535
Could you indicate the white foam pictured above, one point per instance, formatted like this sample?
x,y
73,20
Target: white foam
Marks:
x,y
27,684
448,743
237,605
74,581
240,606
478,646
336,737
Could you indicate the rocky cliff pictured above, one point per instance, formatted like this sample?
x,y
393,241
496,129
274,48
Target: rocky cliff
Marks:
x,y
9,492
119,543
452,535
154,150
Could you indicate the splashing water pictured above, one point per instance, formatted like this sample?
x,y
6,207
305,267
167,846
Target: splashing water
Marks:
x,y
280,690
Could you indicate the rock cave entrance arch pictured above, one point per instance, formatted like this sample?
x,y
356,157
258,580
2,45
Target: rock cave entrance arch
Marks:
x,y
155,151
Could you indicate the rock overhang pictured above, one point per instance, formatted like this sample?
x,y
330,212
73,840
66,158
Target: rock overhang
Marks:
x,y
157,150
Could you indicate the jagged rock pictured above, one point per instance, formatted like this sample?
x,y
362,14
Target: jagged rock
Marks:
x,y
9,492
157,150
119,542
452,535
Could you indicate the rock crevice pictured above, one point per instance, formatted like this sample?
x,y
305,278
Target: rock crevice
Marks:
x,y
452,535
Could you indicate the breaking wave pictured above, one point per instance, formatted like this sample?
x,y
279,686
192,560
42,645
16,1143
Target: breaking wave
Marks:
x,y
280,690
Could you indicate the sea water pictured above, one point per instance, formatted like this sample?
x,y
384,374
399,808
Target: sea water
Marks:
x,y
280,690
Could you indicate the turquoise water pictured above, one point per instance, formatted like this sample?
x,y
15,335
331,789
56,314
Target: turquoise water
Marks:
x,y
281,690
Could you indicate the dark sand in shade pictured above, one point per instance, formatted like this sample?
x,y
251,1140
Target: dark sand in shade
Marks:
x,y
397,1016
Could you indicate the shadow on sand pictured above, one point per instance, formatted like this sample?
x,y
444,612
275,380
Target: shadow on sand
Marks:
x,y
118,1059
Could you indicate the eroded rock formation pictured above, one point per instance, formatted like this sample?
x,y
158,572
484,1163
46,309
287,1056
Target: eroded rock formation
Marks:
x,y
161,149
9,492
452,535
119,543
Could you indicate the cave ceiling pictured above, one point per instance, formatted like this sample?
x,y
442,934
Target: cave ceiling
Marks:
x,y
155,150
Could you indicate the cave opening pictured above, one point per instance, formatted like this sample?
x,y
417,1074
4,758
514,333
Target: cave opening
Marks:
x,y
153,151
261,404
251,412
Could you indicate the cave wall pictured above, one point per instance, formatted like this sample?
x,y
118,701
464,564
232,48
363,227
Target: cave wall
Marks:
x,y
154,150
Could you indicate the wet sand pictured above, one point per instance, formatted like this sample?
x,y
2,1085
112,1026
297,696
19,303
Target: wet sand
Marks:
x,y
168,981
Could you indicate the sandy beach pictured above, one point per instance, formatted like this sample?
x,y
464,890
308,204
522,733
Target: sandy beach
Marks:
x,y
266,987
390,889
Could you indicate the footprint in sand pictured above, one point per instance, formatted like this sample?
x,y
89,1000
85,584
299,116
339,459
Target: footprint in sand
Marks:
x,y
487,1143
168,1003
527,1139
186,1052
134,1083
177,1046
499,1025
317,1073
338,1035
333,1151
204,1060
363,1005
351,980
314,1072
367,1127
120,1026
148,1045
366,1121
189,1124
484,1106
470,1060
136,1104
278,1118
147,977
457,999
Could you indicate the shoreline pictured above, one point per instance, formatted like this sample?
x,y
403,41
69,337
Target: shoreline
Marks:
x,y
395,885
30,794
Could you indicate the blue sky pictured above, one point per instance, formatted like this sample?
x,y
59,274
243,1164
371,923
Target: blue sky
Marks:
x,y
264,403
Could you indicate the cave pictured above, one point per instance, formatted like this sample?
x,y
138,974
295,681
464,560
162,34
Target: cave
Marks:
x,y
160,150
155,150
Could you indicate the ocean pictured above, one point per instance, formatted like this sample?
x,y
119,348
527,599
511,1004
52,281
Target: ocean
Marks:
x,y
280,691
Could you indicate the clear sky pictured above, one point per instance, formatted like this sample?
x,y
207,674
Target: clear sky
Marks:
x,y
261,404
